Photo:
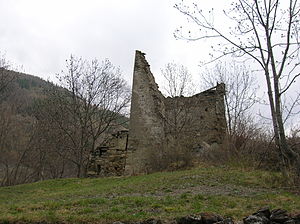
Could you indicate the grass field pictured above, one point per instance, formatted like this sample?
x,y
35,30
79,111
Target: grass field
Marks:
x,y
227,191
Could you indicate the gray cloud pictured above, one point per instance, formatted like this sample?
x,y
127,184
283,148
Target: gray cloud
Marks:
x,y
40,35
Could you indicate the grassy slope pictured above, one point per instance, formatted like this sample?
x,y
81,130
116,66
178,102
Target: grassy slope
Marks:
x,y
226,191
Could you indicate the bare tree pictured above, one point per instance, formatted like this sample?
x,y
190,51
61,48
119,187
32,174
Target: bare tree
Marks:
x,y
241,88
90,102
178,80
174,152
6,77
177,83
266,31
15,146
15,131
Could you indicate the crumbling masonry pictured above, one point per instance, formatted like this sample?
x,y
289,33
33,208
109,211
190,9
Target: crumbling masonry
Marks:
x,y
154,120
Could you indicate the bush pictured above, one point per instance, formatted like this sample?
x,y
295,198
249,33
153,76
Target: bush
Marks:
x,y
170,156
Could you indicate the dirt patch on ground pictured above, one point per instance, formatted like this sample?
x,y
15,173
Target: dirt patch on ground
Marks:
x,y
228,189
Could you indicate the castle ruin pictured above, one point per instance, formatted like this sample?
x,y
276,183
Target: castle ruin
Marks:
x,y
156,120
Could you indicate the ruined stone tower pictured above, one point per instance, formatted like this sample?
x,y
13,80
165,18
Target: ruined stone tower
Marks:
x,y
201,118
157,122
146,125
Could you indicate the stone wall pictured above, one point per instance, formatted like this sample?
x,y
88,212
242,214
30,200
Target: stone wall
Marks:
x,y
199,118
109,159
146,125
154,119
262,216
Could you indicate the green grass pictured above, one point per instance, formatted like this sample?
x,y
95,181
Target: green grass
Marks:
x,y
226,191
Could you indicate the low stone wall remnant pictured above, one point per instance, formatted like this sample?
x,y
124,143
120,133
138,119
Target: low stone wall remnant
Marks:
x,y
109,159
262,216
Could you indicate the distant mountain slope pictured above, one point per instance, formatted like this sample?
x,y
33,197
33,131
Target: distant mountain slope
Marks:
x,y
30,82
23,89
26,88
33,145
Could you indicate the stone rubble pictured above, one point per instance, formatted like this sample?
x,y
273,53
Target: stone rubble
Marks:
x,y
262,216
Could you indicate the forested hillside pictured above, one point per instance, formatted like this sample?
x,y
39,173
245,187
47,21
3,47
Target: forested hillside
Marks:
x,y
39,129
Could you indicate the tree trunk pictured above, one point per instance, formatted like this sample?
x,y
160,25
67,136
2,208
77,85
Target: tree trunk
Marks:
x,y
78,170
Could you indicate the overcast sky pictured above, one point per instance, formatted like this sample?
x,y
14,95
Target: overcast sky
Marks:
x,y
41,34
